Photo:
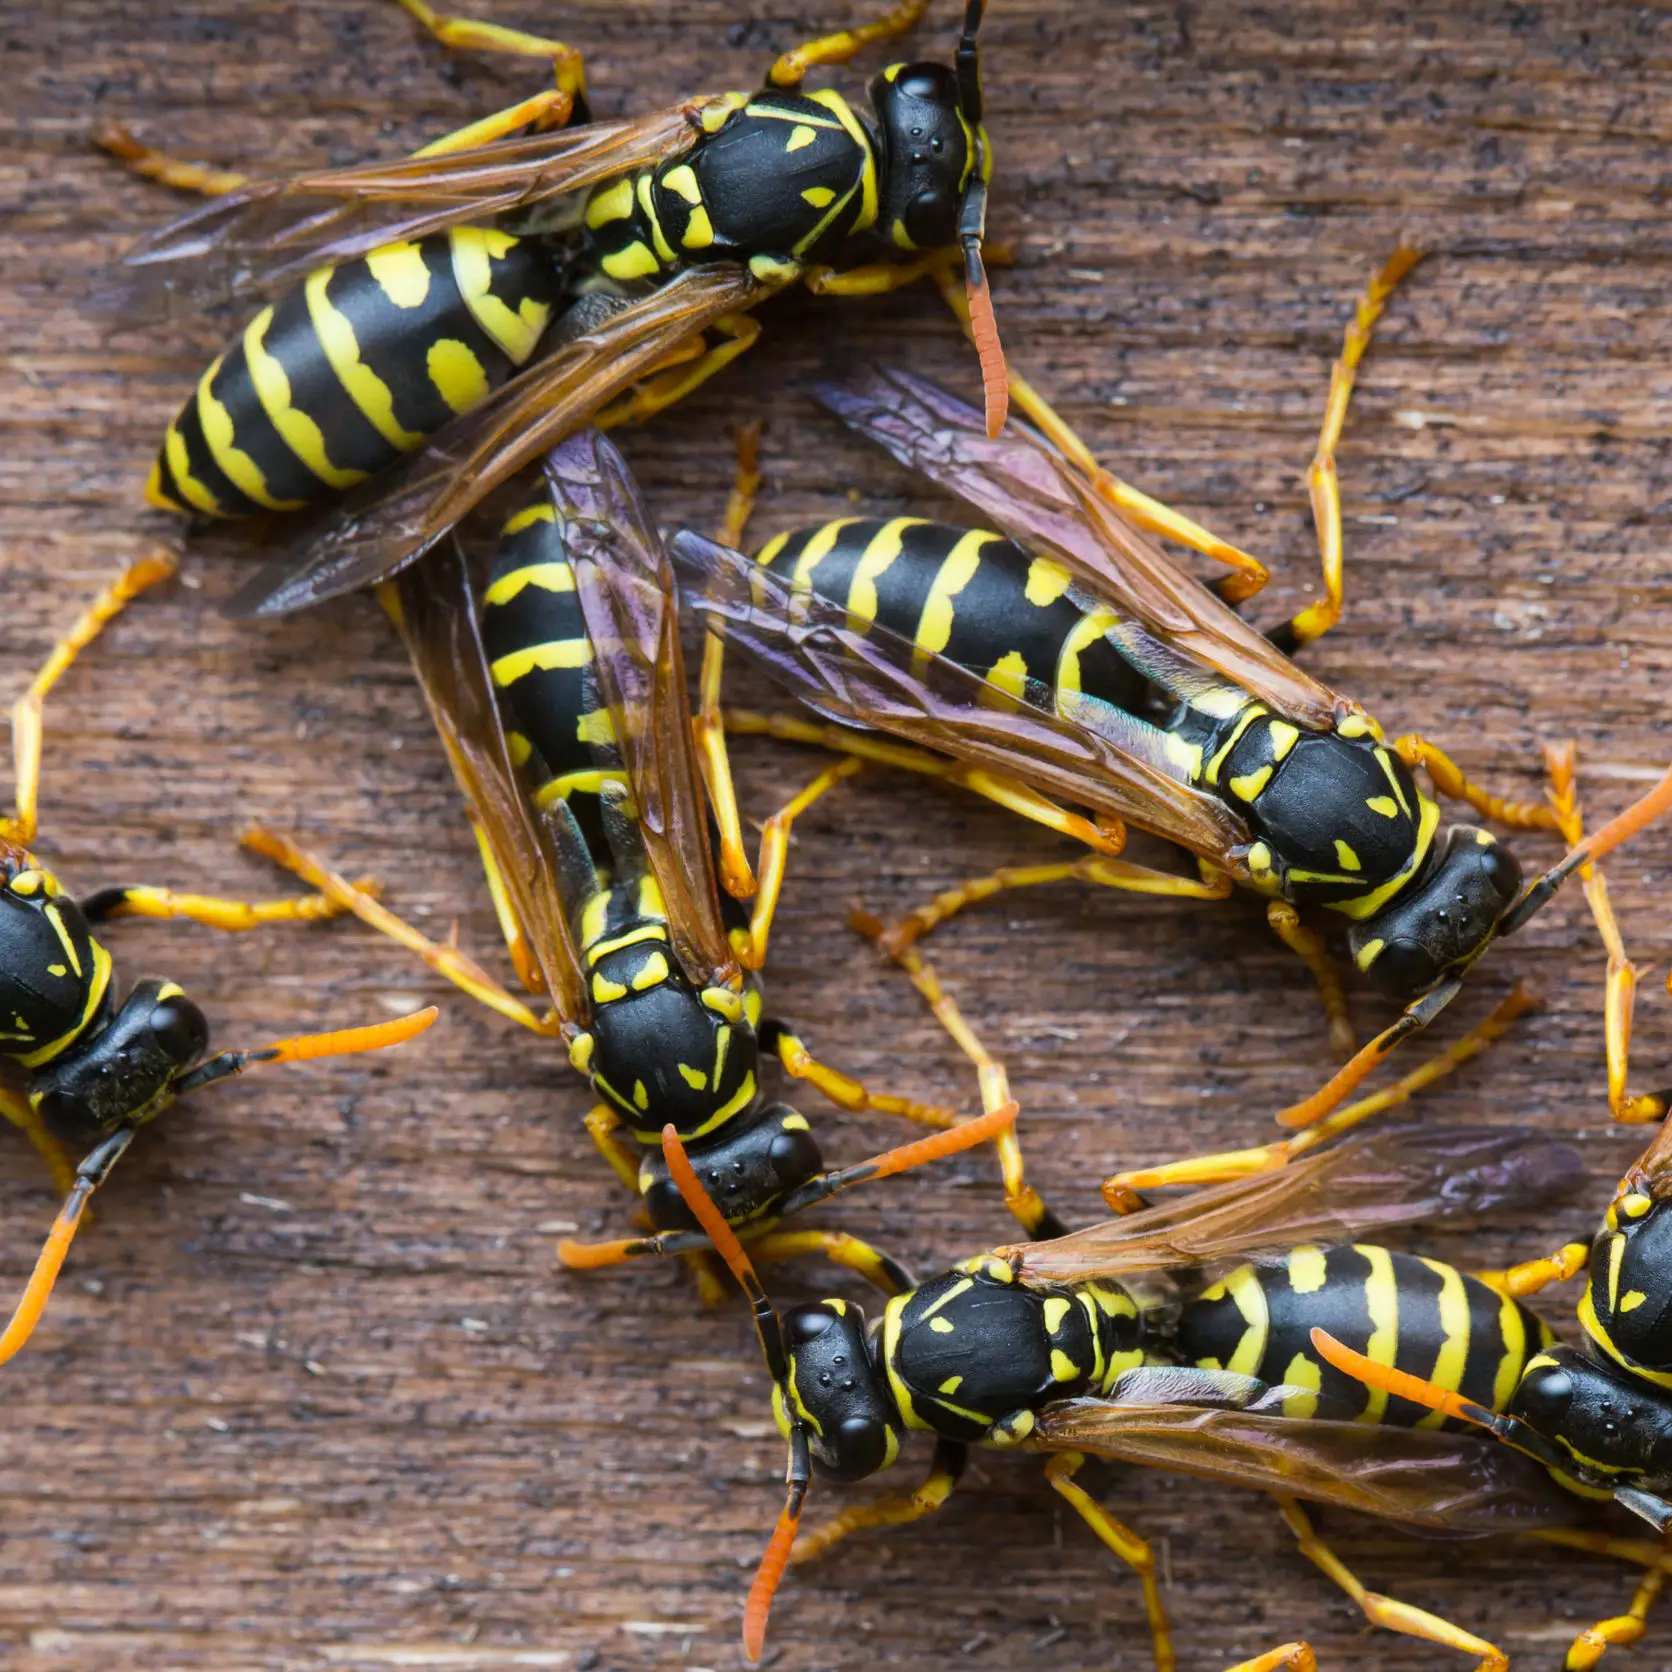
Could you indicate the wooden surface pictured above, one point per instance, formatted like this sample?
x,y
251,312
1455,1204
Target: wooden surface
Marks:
x,y
313,1393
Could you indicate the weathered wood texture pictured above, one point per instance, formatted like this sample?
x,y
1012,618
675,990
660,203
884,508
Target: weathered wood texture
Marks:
x,y
313,1394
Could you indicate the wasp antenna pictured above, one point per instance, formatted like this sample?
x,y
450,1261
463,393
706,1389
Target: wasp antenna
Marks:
x,y
89,1176
1402,1385
968,62
777,1554
984,332
309,1047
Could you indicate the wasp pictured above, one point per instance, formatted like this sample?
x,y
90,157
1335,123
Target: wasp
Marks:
x,y
460,311
78,1066
1114,1342
558,688
1054,658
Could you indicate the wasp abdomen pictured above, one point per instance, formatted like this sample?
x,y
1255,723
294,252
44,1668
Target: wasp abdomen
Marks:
x,y
1415,1314
360,363
969,595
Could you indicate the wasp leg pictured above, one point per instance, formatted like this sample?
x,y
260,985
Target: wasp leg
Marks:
x,y
774,857
1126,1544
844,1091
1106,873
27,1120
27,711
1532,1276
708,725
878,278
517,943
667,388
1010,793
1593,1643
1381,1610
467,35
1290,1657
151,164
464,972
1248,574
896,1510
791,68
1620,993
1024,1202
1449,780
841,1249
1120,1189
1317,619
1286,924
213,912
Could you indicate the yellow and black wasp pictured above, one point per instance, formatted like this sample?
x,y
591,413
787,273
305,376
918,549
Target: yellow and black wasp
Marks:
x,y
558,688
1055,659
1132,1341
460,311
76,1065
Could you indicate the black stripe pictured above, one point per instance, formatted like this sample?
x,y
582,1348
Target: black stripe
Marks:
x,y
904,586
286,476
1420,1336
200,463
1339,1306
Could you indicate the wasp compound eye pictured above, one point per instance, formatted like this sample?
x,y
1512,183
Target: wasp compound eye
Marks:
x,y
1437,929
1544,1396
179,1029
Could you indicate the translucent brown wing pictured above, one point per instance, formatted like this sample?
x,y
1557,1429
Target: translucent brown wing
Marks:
x,y
438,622
384,524
1112,761
1032,494
1357,1188
626,590
1443,1482
275,230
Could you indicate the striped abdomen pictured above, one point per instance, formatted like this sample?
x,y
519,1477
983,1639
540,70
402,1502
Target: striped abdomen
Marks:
x,y
541,661
971,596
1414,1314
360,363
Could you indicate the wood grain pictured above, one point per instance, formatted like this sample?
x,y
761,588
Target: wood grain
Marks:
x,y
314,1394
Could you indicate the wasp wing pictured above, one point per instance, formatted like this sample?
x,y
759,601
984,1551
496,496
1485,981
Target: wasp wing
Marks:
x,y
381,526
1106,759
437,619
274,230
1446,1483
627,597
1187,640
1354,1189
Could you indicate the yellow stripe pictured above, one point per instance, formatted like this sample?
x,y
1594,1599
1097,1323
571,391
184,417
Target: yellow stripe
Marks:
x,y
364,387
833,101
588,783
1249,715
1242,1287
272,387
884,548
555,653
898,1386
637,261
957,570
1381,1301
95,997
1367,905
517,330
1513,1363
237,465
179,462
1453,1358
596,727
1308,1269
647,203
741,1099
555,576
610,203
401,273
1306,1374
527,517
811,555
1087,631
1386,761
634,937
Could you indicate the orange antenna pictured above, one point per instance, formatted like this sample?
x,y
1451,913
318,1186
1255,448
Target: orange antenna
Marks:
x,y
309,1047
1403,1385
38,1291
764,1586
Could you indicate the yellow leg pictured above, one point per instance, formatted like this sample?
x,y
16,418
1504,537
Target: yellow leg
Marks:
x,y
851,1253
791,69
603,1126
19,1112
234,916
1285,922
775,854
1020,1197
151,164
466,35
1620,992
1593,1643
1106,873
1317,619
664,389
1126,1544
894,1511
848,1093
1385,1611
1531,1276
1248,575
1291,1657
1120,1190
1010,793
1448,779
464,972
27,711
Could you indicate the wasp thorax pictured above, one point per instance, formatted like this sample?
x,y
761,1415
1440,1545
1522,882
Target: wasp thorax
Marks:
x,y
1437,928
51,969
1628,1300
927,150
748,1167
838,1390
123,1073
